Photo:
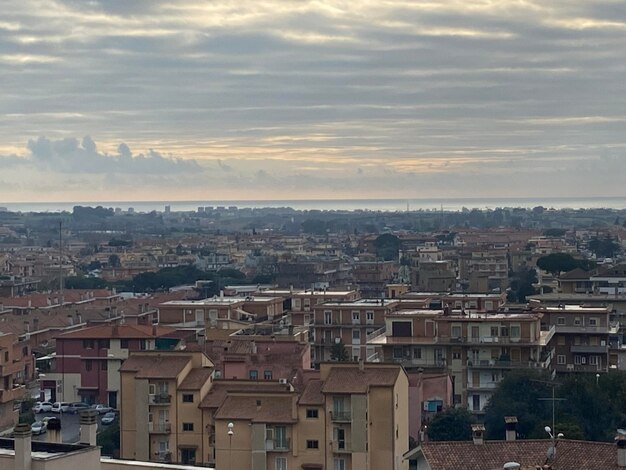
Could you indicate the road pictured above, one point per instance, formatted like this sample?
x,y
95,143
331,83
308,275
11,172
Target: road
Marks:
x,y
70,427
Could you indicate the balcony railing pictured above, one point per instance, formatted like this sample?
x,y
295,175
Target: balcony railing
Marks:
x,y
340,415
278,445
434,364
482,386
12,394
589,349
160,428
494,364
374,334
341,446
160,399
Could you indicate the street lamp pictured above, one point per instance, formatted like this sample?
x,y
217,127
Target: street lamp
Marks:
x,y
597,378
230,445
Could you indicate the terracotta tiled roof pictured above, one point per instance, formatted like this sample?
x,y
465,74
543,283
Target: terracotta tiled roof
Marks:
x,y
312,394
354,380
155,366
575,274
119,331
257,409
492,455
220,390
196,378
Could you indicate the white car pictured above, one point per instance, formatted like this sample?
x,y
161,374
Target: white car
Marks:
x,y
38,427
102,409
108,418
42,407
60,407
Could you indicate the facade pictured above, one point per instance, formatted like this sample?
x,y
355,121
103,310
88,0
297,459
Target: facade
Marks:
x,y
347,322
475,349
16,371
160,395
87,361
583,336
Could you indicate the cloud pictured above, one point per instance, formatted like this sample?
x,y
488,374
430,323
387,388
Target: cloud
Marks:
x,y
71,156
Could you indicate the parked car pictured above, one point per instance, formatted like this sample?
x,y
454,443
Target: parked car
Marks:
x,y
74,408
42,407
60,407
108,418
102,409
38,427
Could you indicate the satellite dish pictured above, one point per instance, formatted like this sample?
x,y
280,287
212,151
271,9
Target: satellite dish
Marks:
x,y
551,454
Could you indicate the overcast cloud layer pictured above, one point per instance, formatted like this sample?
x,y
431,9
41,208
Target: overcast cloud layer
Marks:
x,y
155,99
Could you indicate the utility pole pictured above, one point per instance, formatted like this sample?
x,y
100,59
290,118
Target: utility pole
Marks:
x,y
61,262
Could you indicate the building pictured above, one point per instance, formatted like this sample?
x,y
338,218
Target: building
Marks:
x,y
348,323
86,364
352,418
476,349
16,371
583,336
160,394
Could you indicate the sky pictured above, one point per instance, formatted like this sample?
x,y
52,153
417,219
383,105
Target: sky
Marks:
x,y
293,99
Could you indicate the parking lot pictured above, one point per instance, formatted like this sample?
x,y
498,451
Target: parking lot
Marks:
x,y
70,426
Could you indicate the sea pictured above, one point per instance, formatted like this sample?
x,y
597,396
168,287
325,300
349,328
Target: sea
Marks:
x,y
399,205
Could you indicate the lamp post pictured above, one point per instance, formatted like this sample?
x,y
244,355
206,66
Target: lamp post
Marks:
x,y
230,445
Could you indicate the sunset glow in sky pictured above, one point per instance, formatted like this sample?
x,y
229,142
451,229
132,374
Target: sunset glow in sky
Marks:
x,y
292,99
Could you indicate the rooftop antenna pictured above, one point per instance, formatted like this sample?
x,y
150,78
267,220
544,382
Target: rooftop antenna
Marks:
x,y
551,454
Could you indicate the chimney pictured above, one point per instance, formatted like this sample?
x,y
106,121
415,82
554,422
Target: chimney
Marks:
x,y
510,424
221,295
23,447
620,440
477,433
54,430
361,364
253,348
88,427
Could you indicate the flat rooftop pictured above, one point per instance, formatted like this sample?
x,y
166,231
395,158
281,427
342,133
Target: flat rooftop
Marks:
x,y
205,302
43,450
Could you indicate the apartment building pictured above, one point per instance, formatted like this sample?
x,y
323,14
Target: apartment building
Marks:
x,y
470,303
353,417
16,371
348,322
371,277
475,349
484,270
160,394
86,364
583,336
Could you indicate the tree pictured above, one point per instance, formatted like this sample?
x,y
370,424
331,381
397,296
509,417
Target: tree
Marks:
x,y
453,424
387,246
114,261
109,440
338,352
604,247
81,282
556,263
522,285
554,232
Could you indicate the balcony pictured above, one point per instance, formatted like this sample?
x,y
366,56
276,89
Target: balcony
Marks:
x,y
590,349
12,394
160,399
163,456
278,445
495,364
579,329
160,428
341,447
340,416
413,363
486,386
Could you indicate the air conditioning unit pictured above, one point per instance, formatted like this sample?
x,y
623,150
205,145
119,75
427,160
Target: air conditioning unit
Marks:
x,y
282,381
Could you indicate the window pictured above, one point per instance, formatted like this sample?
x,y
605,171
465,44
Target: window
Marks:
x,y
281,463
187,397
494,331
312,444
504,331
356,317
142,344
417,353
253,375
267,375
88,364
104,365
560,359
593,360
356,335
560,321
312,413
577,360
593,322
456,355
456,331
328,318
88,343
369,317
397,352
515,332
103,344
124,343
339,464
577,321
187,426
